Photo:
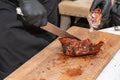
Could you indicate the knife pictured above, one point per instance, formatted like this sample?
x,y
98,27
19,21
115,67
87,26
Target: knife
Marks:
x,y
57,31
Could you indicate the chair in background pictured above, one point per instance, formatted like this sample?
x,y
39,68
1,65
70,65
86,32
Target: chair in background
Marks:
x,y
75,8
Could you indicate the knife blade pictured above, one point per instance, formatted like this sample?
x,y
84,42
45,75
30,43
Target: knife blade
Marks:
x,y
57,31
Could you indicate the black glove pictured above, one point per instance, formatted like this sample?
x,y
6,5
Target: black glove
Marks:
x,y
105,6
34,12
115,13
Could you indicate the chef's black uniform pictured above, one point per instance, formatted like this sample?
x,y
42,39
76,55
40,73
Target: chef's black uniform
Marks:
x,y
18,41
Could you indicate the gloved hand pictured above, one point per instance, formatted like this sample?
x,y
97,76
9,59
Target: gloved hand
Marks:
x,y
34,12
115,13
105,6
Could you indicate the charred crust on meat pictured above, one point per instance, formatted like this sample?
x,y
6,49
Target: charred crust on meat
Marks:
x,y
74,47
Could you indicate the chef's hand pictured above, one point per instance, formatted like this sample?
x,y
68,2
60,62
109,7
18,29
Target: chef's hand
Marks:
x,y
115,13
105,6
34,12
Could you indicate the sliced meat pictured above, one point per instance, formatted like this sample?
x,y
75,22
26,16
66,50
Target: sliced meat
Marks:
x,y
94,18
74,47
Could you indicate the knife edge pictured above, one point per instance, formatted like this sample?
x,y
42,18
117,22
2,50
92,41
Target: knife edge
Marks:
x,y
57,31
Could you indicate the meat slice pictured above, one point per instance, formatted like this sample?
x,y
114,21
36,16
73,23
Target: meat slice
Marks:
x,y
94,18
74,47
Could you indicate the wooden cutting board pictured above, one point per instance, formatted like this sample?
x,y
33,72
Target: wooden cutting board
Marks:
x,y
51,64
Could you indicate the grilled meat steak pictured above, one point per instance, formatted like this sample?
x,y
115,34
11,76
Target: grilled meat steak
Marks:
x,y
74,47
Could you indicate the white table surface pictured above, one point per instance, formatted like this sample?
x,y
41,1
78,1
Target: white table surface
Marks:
x,y
112,70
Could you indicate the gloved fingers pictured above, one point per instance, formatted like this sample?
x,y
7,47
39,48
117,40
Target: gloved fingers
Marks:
x,y
106,8
116,19
101,25
34,12
37,20
104,23
116,9
41,22
94,5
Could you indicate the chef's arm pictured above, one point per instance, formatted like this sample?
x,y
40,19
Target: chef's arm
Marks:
x,y
34,12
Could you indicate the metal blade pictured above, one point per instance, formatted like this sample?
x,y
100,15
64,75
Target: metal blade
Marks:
x,y
57,31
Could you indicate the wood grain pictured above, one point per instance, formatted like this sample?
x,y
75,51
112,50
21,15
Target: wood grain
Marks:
x,y
51,64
